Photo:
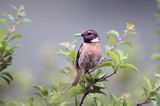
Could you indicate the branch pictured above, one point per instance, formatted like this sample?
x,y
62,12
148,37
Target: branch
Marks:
x,y
147,100
87,91
108,76
88,88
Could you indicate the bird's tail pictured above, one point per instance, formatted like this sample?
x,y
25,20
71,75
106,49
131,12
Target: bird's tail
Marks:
x,y
78,76
76,80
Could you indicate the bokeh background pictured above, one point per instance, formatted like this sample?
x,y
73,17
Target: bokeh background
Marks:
x,y
55,21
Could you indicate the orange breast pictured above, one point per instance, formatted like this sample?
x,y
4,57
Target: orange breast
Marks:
x,y
90,55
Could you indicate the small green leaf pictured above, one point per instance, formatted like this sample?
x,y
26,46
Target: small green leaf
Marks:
x,y
131,33
1,34
130,26
6,79
131,66
152,93
97,102
8,75
38,94
123,56
37,87
156,56
149,85
157,75
76,90
16,36
111,40
31,101
114,56
145,92
23,21
10,17
127,43
100,84
44,90
3,21
105,64
97,74
4,43
113,32
22,14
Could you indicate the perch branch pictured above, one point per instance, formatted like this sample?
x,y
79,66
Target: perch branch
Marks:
x,y
88,88
148,99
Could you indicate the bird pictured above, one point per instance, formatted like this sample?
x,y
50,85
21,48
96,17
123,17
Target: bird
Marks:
x,y
88,55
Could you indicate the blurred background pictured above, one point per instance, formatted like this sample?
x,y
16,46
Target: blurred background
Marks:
x,y
55,21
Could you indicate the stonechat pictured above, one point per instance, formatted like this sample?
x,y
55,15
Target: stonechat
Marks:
x,y
89,53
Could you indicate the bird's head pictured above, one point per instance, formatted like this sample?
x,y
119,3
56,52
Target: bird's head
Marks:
x,y
89,36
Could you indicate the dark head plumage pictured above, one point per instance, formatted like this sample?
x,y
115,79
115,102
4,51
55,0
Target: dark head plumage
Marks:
x,y
89,36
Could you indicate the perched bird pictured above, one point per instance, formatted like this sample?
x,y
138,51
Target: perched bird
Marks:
x,y
89,53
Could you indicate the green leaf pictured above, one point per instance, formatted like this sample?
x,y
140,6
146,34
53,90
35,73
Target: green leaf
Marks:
x,y
105,64
76,90
65,103
125,103
38,94
31,101
156,56
152,93
16,36
6,79
123,56
131,66
1,35
4,43
8,75
3,21
37,87
127,43
113,32
114,56
113,97
130,26
131,33
145,92
111,40
157,75
10,17
44,90
97,102
100,84
23,21
97,74
149,85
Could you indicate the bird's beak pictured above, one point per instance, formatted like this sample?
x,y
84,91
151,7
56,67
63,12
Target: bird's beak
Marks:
x,y
77,34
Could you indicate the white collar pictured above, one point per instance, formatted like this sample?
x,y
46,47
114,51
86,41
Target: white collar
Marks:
x,y
95,40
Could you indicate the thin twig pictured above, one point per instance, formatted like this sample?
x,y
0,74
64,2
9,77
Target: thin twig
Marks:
x,y
87,91
147,100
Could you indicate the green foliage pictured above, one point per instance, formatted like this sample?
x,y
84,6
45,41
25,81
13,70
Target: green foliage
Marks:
x,y
94,82
8,34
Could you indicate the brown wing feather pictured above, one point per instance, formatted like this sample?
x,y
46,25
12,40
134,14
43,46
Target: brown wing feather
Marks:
x,y
78,55
78,70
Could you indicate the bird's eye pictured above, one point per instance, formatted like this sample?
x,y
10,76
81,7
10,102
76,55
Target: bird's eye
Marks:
x,y
89,33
